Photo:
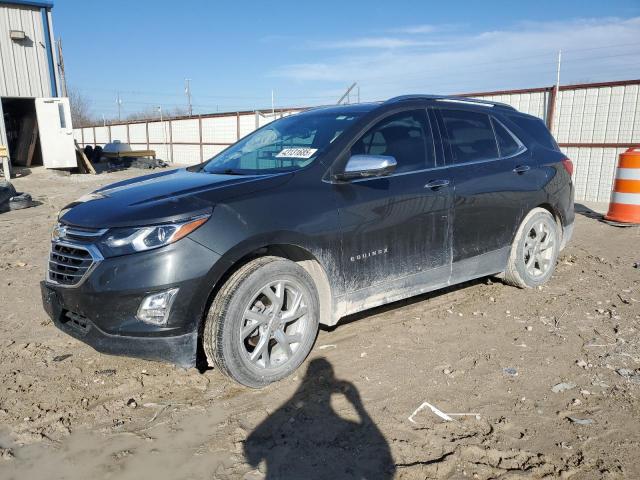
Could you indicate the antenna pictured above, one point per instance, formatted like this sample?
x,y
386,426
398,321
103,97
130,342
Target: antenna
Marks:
x,y
346,94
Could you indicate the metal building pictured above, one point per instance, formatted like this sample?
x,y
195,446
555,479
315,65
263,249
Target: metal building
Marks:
x,y
35,121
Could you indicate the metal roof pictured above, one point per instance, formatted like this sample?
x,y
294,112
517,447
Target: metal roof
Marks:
x,y
29,3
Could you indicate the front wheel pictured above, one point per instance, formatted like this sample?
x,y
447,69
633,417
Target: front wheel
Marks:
x,y
263,322
534,252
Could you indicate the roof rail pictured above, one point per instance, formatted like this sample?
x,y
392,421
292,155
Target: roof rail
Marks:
x,y
452,99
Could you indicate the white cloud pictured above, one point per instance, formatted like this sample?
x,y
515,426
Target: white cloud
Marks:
x,y
418,29
425,28
521,56
373,42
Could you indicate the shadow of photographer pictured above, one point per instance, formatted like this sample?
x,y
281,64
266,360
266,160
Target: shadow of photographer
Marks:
x,y
306,439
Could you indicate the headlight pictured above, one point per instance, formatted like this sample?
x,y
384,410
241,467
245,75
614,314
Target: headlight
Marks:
x,y
121,241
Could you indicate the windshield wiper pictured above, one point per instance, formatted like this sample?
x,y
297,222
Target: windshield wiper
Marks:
x,y
227,171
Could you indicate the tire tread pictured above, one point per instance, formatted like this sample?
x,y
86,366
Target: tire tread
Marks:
x,y
512,275
212,335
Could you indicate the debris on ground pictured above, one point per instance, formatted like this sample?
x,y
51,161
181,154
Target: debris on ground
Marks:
x,y
582,364
6,453
563,387
10,199
631,375
581,421
435,410
60,358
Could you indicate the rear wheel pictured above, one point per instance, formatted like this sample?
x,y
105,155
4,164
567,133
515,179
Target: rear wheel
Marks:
x,y
263,322
534,251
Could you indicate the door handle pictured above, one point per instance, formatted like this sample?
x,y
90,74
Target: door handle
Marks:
x,y
436,184
520,169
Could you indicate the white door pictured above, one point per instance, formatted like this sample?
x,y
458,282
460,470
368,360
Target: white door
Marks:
x,y
56,133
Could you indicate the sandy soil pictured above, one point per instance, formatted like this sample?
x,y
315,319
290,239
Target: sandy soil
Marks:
x,y
524,362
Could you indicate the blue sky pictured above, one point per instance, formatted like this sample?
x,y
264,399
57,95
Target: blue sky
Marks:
x,y
235,53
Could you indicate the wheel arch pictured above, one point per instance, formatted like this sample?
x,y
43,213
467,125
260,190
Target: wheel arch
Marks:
x,y
290,251
556,216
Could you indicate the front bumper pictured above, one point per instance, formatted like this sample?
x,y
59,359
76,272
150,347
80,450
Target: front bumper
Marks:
x,y
101,311
178,349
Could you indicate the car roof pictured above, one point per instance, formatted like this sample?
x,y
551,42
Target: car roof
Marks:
x,y
345,109
433,99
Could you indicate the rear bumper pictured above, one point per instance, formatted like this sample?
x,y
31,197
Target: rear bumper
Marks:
x,y
177,349
567,234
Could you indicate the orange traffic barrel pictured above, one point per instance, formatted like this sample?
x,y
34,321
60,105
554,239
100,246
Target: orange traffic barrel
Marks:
x,y
625,197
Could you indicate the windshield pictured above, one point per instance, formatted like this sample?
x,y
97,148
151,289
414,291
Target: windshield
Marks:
x,y
284,145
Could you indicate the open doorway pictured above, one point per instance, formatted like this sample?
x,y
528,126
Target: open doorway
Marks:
x,y
21,126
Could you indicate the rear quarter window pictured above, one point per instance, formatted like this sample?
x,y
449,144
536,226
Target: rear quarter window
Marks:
x,y
536,129
507,143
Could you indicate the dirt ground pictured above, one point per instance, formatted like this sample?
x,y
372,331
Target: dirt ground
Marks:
x,y
551,377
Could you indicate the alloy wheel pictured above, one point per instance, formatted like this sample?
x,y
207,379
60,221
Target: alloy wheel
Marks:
x,y
274,324
539,249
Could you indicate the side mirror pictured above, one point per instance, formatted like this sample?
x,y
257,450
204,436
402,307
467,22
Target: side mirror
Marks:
x,y
363,166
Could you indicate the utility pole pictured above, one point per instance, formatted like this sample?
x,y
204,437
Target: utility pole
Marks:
x,y
558,72
273,104
63,79
556,92
104,121
119,102
187,90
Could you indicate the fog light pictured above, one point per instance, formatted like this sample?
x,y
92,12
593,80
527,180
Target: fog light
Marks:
x,y
155,308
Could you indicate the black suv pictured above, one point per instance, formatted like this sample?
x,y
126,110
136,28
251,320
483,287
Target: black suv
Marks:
x,y
313,217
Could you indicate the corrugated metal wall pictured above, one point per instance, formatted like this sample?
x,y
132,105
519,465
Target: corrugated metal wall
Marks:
x,y
593,124
182,140
24,65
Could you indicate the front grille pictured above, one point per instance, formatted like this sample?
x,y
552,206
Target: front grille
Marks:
x,y
80,234
73,254
69,263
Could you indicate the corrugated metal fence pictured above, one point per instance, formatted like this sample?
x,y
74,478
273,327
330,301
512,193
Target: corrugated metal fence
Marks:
x,y
592,122
181,140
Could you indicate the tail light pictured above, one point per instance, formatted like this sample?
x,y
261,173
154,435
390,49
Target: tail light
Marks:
x,y
568,166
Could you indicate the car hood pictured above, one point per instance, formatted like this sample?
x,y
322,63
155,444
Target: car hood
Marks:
x,y
162,197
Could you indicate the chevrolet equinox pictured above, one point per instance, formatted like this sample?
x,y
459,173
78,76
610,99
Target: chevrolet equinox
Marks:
x,y
313,217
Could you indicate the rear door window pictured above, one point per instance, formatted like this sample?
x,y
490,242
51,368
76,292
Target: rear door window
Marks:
x,y
406,136
470,135
506,142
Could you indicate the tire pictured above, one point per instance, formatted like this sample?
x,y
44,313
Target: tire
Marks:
x,y
21,201
7,191
539,237
243,294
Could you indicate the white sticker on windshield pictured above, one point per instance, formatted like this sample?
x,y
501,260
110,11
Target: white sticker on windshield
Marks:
x,y
296,152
